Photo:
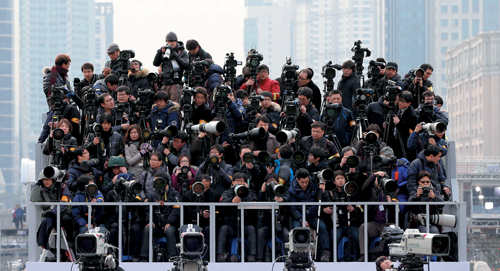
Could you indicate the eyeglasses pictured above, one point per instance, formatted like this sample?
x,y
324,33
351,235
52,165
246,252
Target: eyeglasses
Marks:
x,y
134,64
112,53
178,141
154,160
108,100
303,79
303,99
425,181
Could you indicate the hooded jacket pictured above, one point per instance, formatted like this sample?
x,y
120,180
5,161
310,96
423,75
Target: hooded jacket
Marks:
x,y
213,79
421,163
169,116
296,194
147,179
138,81
347,85
182,59
60,81
74,172
80,212
57,192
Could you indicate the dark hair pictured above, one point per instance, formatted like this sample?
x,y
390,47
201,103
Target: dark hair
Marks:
x,y
202,177
432,149
262,67
429,93
201,90
78,151
318,124
286,151
308,72
376,128
379,261
180,158
158,154
87,66
426,66
241,94
381,59
302,173
83,180
112,79
218,147
62,59
162,174
183,136
424,173
246,146
106,117
161,95
336,91
318,152
192,44
65,121
127,139
123,88
349,64
439,100
305,91
239,175
271,175
407,96
267,94
338,173
264,119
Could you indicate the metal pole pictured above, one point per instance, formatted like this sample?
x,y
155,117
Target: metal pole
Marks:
x,y
120,230
242,233
212,233
151,233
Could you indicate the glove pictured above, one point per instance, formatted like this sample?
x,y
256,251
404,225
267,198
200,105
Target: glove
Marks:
x,y
70,94
48,213
227,100
147,147
173,54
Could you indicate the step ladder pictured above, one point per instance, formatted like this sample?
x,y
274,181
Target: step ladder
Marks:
x,y
52,244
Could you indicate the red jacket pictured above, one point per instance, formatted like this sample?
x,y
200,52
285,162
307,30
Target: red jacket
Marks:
x,y
270,85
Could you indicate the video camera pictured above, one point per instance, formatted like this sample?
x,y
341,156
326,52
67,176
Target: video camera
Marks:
x,y
362,96
221,99
196,73
253,61
289,73
328,72
191,249
230,68
331,110
291,108
94,251
186,106
359,53
374,69
299,248
415,243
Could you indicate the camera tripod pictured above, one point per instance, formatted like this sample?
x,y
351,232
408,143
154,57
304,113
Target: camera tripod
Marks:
x,y
389,123
361,125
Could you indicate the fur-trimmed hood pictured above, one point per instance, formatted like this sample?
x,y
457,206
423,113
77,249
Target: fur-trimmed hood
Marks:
x,y
141,74
174,107
46,70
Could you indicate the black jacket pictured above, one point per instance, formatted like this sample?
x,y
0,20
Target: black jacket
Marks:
x,y
307,142
114,147
304,121
406,124
316,93
202,112
416,90
254,175
231,214
191,212
347,85
95,77
202,55
182,59
70,113
167,214
138,81
221,176
343,125
376,113
335,195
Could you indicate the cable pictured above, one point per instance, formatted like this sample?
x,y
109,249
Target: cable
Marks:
x,y
272,268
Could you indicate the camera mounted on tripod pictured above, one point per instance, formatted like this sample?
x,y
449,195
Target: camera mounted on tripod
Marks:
x,y
230,68
289,73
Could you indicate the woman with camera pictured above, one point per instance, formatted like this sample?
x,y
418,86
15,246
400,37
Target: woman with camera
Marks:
x,y
183,176
426,192
135,149
59,143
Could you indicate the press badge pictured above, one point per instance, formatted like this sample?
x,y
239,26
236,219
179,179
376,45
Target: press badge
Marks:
x,y
381,208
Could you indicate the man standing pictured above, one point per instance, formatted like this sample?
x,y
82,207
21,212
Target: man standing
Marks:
x,y
305,80
418,85
348,84
137,78
173,60
195,51
404,121
391,74
89,77
308,114
112,65
343,120
57,75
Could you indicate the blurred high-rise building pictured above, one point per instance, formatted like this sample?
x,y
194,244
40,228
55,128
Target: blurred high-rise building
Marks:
x,y
103,33
9,144
49,28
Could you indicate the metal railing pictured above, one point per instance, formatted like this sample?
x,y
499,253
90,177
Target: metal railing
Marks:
x,y
457,209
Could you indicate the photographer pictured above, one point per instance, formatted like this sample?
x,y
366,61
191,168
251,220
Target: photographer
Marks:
x,y
317,139
235,112
126,104
163,114
113,65
57,75
343,120
283,166
307,114
216,167
428,160
435,114
305,80
268,143
135,149
363,148
89,77
348,84
107,85
271,110
116,165
418,85
179,177
196,52
80,166
264,83
253,172
266,194
52,190
317,162
59,149
426,192
137,78
193,213
165,219
173,60
147,177
212,77
391,73
404,120
379,216
133,217
80,211
376,112
106,144
303,190
230,220
173,151
420,139
69,112
201,111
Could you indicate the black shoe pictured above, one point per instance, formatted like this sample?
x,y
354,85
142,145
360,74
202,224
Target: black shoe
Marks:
x,y
234,258
361,258
325,256
221,258
251,258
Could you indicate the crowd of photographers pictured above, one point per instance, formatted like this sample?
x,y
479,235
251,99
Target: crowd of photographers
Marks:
x,y
198,132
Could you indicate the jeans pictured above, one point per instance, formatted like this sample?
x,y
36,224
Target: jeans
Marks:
x,y
171,235
226,232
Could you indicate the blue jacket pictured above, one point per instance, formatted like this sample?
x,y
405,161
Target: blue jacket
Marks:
x,y
402,179
80,212
343,126
74,172
419,164
169,116
235,114
414,143
213,79
298,195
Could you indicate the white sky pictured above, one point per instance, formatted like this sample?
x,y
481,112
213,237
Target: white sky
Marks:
x,y
216,24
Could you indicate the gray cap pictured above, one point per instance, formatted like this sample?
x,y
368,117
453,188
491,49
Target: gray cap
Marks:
x,y
393,65
112,47
171,36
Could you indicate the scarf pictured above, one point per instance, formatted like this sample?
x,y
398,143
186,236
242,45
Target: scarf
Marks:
x,y
53,76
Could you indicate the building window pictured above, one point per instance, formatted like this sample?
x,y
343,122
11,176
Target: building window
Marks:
x,y
465,29
475,5
475,27
465,6
454,9
454,22
444,9
444,36
443,49
454,36
444,22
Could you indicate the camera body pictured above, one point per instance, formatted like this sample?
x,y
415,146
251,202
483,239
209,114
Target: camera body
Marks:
x,y
289,72
230,67
359,53
253,61
362,96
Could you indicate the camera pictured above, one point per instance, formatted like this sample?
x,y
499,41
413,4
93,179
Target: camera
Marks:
x,y
241,191
278,189
374,70
352,161
91,190
362,96
86,166
416,243
198,188
230,67
426,190
371,138
381,161
126,55
212,160
170,132
253,61
213,127
132,188
388,185
299,247
196,73
289,72
94,251
191,248
254,134
437,127
328,70
159,184
331,110
359,53
285,136
326,177
443,220
54,173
